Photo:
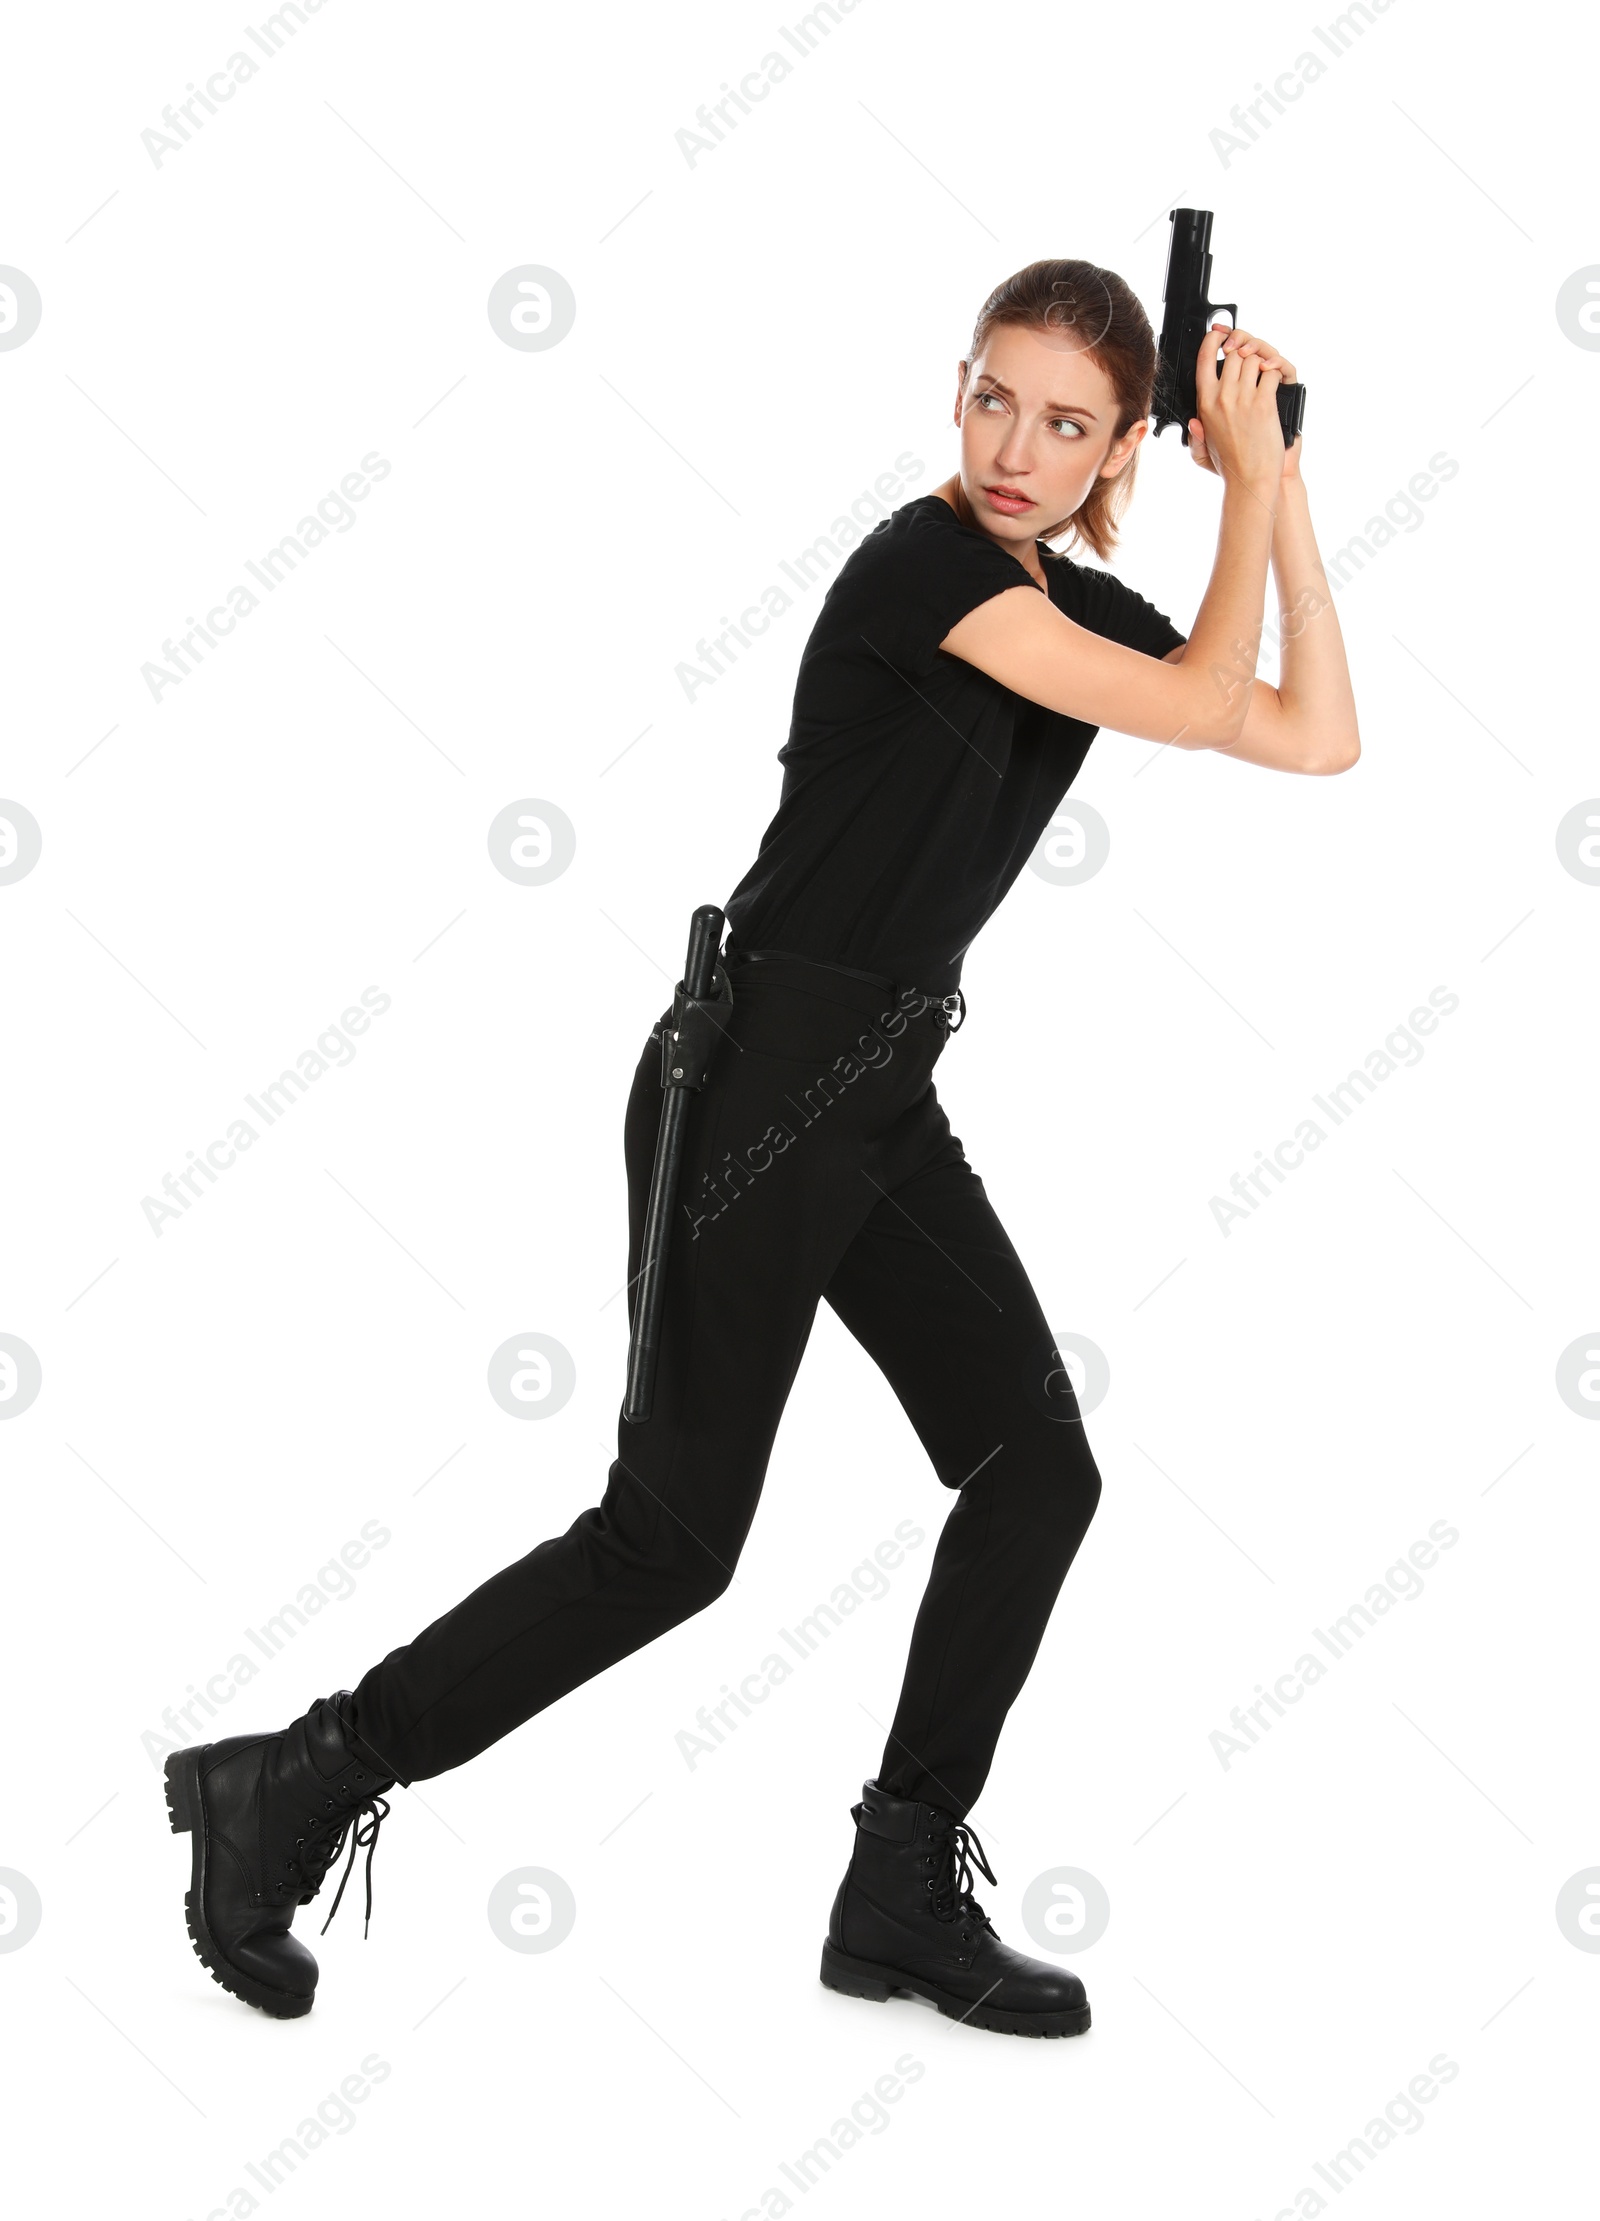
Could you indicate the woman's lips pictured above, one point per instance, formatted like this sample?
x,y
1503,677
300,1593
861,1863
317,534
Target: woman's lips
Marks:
x,y
1007,500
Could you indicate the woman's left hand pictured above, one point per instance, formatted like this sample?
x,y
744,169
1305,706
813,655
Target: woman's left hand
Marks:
x,y
1265,357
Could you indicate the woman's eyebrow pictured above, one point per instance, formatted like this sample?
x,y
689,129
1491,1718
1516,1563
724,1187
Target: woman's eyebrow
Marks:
x,y
1058,408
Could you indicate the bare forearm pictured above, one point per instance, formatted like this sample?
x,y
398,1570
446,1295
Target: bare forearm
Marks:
x,y
1314,674
1225,638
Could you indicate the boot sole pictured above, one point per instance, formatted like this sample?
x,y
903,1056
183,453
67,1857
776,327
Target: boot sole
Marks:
x,y
187,1814
860,1978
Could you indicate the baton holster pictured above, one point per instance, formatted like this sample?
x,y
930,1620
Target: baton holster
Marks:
x,y
702,1004
691,1030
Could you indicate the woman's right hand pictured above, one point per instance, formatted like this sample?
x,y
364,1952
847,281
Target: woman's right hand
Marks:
x,y
1239,415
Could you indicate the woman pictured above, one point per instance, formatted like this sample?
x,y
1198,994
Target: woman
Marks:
x,y
953,682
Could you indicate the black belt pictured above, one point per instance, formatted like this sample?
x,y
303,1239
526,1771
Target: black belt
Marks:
x,y
942,1003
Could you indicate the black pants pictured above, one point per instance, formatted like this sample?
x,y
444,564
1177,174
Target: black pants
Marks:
x,y
819,1164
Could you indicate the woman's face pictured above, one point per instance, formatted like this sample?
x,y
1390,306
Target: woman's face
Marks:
x,y
1037,416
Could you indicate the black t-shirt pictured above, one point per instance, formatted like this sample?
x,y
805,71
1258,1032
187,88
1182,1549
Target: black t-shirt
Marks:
x,y
915,787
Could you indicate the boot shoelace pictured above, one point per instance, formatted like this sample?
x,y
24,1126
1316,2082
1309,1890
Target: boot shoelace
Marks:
x,y
325,1838
957,1851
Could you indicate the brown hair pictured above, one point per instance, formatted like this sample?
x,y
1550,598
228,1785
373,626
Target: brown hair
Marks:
x,y
1056,296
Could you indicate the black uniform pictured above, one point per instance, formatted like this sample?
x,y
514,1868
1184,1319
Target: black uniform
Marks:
x,y
820,1165
914,787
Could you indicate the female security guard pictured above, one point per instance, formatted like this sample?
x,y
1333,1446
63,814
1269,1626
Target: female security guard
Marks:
x,y
955,677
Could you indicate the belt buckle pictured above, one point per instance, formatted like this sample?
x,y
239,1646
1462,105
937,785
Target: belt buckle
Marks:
x,y
954,1008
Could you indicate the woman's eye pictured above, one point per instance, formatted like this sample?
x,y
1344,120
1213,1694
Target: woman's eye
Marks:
x,y
1068,424
982,397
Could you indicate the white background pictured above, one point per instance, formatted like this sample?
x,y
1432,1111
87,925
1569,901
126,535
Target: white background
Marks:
x,y
758,336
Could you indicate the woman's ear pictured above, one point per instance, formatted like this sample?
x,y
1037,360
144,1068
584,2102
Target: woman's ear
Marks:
x,y
1121,450
961,386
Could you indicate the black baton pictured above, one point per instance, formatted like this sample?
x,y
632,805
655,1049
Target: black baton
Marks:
x,y
701,1003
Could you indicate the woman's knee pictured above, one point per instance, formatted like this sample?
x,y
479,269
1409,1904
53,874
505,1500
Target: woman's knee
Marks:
x,y
1086,1483
687,1567
698,1586
1057,1489
690,1571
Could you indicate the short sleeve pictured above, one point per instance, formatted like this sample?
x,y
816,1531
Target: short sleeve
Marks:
x,y
929,576
1104,604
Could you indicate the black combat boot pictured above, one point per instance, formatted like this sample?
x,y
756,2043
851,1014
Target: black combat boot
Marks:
x,y
905,1919
268,1815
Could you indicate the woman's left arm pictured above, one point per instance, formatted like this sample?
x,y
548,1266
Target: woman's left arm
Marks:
x,y
1307,722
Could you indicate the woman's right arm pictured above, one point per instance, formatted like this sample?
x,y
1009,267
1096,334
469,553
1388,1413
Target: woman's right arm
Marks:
x,y
1027,644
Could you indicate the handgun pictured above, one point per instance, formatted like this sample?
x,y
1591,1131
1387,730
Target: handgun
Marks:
x,y
1187,314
